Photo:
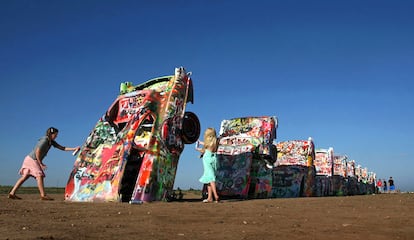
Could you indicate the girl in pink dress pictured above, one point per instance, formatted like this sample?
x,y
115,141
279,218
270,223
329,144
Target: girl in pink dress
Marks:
x,y
33,165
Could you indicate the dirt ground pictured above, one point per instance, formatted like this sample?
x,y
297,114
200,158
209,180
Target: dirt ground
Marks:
x,y
381,216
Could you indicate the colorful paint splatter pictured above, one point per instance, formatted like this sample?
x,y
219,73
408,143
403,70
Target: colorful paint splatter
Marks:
x,y
133,151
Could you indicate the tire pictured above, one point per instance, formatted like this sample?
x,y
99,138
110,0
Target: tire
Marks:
x,y
190,131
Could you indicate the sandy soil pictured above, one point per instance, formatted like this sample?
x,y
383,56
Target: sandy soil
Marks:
x,y
382,216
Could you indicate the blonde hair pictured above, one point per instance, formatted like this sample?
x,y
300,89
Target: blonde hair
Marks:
x,y
210,139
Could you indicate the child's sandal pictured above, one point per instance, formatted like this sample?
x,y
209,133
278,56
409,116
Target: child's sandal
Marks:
x,y
46,198
13,196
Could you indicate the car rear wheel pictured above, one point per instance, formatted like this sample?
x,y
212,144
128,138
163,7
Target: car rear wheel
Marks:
x,y
191,128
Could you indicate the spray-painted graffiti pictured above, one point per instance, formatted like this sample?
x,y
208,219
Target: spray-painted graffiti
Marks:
x,y
350,166
245,147
293,181
298,170
261,180
258,131
133,151
294,173
340,167
324,162
287,182
323,186
340,185
233,174
324,170
295,152
352,185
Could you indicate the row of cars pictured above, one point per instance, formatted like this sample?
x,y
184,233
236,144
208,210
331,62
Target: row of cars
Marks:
x,y
296,169
132,153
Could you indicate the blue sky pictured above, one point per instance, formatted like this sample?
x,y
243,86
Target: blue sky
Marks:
x,y
340,72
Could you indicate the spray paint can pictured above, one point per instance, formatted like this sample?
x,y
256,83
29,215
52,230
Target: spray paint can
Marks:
x,y
75,152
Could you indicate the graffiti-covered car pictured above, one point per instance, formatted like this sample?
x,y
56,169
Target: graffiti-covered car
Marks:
x,y
245,150
324,171
132,152
339,178
352,180
294,172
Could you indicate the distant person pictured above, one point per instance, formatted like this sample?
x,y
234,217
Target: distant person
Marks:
x,y
33,165
379,185
208,152
391,184
385,186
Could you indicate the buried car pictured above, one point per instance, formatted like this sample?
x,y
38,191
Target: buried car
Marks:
x,y
339,177
132,152
324,171
244,153
294,172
